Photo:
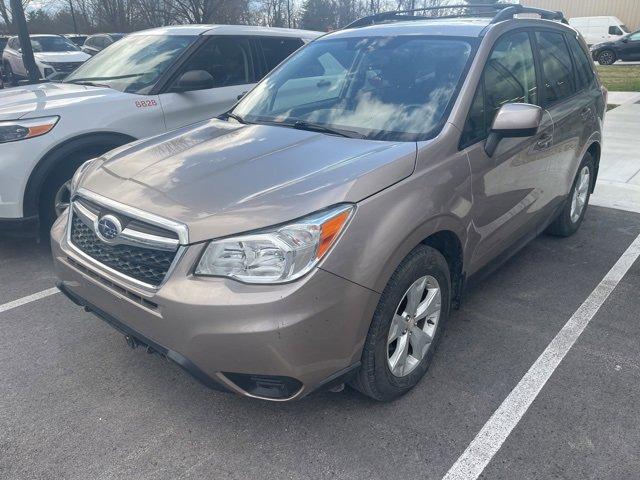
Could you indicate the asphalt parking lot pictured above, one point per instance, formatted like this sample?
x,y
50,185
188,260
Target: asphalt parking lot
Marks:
x,y
77,403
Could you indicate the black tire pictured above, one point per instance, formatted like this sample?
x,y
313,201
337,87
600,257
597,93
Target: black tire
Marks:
x,y
10,76
607,57
563,225
374,378
61,174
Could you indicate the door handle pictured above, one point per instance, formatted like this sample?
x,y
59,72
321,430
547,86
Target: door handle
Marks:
x,y
544,141
585,113
324,83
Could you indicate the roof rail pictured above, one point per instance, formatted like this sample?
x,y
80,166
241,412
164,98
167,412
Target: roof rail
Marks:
x,y
512,10
499,12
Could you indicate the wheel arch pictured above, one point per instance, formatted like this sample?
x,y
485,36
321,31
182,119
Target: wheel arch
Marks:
x,y
449,245
595,150
57,155
444,233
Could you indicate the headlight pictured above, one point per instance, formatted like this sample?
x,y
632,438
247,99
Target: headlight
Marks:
x,y
22,129
75,180
276,255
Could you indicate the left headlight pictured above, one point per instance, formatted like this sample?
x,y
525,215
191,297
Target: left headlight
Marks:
x,y
15,130
277,255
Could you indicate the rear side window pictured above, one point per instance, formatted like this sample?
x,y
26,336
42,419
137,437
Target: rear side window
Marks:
x,y
557,69
277,49
509,77
584,72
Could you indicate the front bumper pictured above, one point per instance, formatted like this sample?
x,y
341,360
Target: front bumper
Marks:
x,y
296,337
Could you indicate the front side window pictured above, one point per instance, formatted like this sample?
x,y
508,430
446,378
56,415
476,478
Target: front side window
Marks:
x,y
396,88
635,37
135,65
615,30
557,69
227,60
509,77
584,71
53,44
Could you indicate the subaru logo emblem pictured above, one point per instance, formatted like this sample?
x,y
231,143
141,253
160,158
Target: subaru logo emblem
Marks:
x,y
109,227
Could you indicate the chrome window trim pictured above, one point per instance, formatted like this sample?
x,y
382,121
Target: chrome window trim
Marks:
x,y
181,229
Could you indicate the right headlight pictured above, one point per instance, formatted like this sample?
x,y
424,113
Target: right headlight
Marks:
x,y
75,180
276,255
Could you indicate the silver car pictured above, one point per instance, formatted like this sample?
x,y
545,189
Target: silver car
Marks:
x,y
321,231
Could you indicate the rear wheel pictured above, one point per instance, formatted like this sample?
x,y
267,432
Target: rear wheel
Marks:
x,y
9,75
406,327
572,215
606,57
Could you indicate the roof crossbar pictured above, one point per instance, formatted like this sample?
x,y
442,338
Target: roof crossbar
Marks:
x,y
498,11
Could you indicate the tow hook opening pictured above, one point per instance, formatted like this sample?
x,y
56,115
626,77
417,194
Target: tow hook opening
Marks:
x,y
134,343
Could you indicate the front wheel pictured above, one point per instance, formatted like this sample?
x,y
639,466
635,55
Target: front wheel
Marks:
x,y
572,215
406,327
606,57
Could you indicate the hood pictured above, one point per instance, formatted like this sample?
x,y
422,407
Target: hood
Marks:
x,y
62,57
221,179
45,98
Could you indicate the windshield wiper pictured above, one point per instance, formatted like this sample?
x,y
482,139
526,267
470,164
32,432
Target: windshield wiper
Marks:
x,y
89,83
103,79
237,118
315,127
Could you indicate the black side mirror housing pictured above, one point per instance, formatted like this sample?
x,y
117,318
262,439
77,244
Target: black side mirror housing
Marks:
x,y
194,80
513,120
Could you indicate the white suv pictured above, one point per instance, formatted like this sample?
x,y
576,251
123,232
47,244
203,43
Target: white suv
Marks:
x,y
54,55
145,84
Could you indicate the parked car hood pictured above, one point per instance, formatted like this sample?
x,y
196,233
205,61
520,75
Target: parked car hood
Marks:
x,y
62,57
221,178
45,98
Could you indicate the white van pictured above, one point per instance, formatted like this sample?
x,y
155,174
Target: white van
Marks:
x,y
599,29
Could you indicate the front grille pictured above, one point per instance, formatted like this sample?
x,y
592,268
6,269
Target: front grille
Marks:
x,y
144,264
66,67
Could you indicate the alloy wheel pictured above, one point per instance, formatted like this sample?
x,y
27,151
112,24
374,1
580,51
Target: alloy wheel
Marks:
x,y
580,194
413,326
606,58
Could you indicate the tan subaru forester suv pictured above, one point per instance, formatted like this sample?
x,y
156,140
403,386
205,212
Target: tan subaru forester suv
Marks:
x,y
320,231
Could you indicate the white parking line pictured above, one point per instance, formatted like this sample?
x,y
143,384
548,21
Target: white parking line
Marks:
x,y
488,441
28,299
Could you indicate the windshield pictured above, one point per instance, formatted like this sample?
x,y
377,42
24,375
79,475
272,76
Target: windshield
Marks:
x,y
391,88
134,64
52,44
624,28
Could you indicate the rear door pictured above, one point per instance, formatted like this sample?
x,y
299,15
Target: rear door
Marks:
x,y
14,57
509,188
230,61
570,105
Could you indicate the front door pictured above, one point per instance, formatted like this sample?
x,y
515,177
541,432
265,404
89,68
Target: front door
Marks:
x,y
509,188
629,50
229,60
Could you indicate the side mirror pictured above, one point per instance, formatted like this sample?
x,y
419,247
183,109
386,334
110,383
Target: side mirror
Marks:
x,y
625,40
513,120
194,80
